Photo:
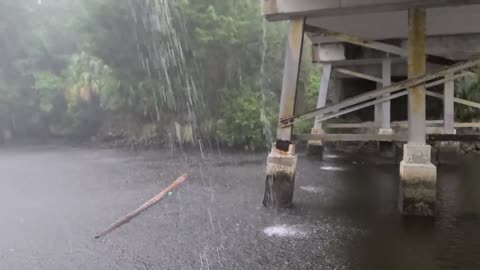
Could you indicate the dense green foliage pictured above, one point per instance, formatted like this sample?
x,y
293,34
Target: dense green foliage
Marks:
x,y
468,88
179,69
74,67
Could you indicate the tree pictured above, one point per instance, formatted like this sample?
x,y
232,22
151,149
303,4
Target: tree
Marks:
x,y
212,66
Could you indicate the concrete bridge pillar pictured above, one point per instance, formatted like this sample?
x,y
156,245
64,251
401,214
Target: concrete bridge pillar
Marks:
x,y
280,179
384,109
418,176
448,152
282,160
448,106
315,148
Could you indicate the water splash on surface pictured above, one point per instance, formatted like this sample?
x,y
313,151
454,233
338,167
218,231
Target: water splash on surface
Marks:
x,y
332,168
172,144
285,231
200,145
311,189
332,156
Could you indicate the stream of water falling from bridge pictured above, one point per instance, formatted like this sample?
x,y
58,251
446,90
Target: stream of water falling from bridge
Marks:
x,y
267,129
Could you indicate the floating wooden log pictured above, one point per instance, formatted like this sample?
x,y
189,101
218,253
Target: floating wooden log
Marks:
x,y
143,207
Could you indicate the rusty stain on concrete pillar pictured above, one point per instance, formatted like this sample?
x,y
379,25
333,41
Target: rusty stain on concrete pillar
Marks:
x,y
418,176
416,67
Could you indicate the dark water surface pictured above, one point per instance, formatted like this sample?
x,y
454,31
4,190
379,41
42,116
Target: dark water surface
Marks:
x,y
54,199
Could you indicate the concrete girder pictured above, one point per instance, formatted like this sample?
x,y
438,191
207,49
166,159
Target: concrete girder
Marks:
x,y
275,10
462,20
380,46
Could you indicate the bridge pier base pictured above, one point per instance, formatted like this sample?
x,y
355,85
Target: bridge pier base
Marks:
x,y
315,148
280,179
418,181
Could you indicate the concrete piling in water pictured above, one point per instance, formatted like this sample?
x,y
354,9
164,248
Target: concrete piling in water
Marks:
x,y
418,176
282,161
418,181
280,178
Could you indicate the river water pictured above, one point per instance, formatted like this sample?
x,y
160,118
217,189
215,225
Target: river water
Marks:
x,y
53,199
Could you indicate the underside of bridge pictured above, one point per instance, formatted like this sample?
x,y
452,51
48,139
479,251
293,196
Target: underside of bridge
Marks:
x,y
431,43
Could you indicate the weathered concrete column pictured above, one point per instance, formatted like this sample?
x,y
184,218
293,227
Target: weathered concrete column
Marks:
x,y
448,152
385,107
315,148
417,174
448,106
280,180
281,163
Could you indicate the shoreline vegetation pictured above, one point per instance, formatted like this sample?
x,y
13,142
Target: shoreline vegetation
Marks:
x,y
151,73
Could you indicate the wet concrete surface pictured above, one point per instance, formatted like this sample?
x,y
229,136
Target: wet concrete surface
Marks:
x,y
54,199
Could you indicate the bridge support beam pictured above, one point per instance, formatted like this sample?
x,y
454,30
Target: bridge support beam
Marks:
x,y
418,176
281,163
449,106
385,107
315,148
448,152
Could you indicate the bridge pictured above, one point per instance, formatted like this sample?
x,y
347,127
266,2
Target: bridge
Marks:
x,y
395,48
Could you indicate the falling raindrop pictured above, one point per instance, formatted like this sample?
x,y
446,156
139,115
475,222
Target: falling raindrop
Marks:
x,y
172,143
267,129
158,31
218,148
200,144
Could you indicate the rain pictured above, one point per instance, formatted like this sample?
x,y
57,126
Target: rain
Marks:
x,y
140,134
